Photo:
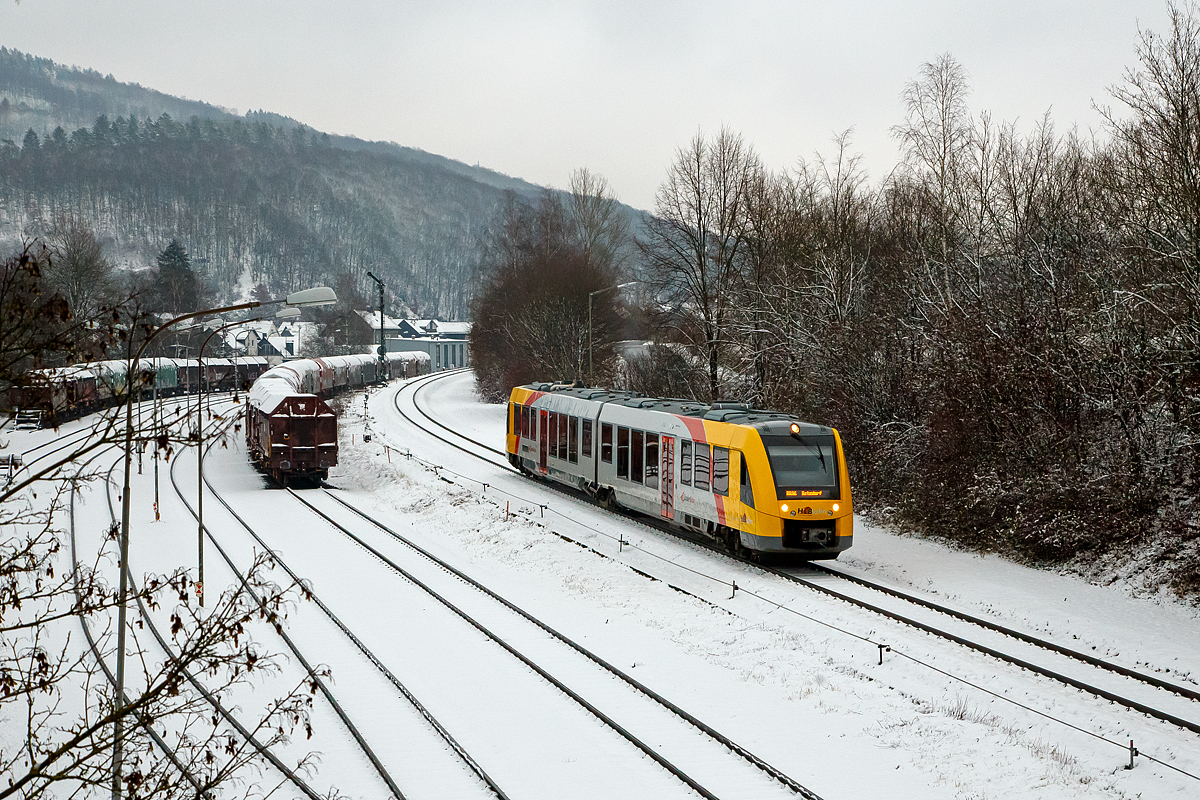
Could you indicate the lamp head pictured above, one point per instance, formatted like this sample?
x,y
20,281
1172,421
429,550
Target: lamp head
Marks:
x,y
317,296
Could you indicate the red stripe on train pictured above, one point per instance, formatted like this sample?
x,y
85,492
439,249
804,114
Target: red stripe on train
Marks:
x,y
695,428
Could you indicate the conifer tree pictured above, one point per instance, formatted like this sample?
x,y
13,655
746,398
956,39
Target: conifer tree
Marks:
x,y
175,286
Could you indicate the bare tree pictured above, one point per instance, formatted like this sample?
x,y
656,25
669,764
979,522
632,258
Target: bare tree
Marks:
x,y
601,227
760,266
65,706
36,326
79,269
936,139
1158,157
695,239
530,320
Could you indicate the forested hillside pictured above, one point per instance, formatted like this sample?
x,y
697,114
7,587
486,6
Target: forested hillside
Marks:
x,y
254,199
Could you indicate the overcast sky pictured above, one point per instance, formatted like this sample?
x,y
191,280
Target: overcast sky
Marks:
x,y
535,89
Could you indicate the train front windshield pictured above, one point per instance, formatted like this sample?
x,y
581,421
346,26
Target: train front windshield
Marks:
x,y
803,467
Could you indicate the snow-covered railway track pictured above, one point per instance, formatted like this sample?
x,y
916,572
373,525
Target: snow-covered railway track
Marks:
x,y
466,444
89,637
711,765
80,437
296,652
1148,694
488,785
148,623
801,573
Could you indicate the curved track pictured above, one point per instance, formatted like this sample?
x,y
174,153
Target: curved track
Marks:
x,y
71,441
148,623
304,662
289,774
358,736
93,646
1148,694
502,634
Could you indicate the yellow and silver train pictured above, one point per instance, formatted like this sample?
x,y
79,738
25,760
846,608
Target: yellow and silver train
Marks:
x,y
756,481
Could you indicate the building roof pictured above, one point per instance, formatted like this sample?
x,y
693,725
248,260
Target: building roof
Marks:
x,y
285,345
429,327
372,319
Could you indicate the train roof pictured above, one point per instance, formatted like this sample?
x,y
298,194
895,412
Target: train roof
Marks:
x,y
287,380
407,355
769,422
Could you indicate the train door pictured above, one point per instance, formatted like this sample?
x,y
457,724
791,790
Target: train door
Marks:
x,y
542,443
746,495
667,476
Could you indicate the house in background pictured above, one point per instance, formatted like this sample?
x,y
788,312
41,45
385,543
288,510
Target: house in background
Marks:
x,y
291,337
391,327
445,342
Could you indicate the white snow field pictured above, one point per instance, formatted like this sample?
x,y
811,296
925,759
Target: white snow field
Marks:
x,y
778,669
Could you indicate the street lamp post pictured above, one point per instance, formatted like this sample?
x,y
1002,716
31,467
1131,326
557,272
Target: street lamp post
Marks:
x,y
321,295
155,437
382,344
590,296
294,312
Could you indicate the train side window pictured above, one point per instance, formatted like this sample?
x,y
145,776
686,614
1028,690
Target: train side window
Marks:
x,y
563,422
606,442
636,454
514,418
652,460
586,444
623,453
527,413
573,444
720,467
685,462
701,470
747,490
552,434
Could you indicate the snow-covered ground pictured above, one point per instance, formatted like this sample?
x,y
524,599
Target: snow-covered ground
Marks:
x,y
764,666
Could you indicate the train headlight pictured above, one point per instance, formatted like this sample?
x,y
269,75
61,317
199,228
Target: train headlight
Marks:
x,y
836,507
795,428
784,508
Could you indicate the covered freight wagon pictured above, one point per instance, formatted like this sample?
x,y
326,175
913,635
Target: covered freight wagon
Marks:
x,y
291,436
